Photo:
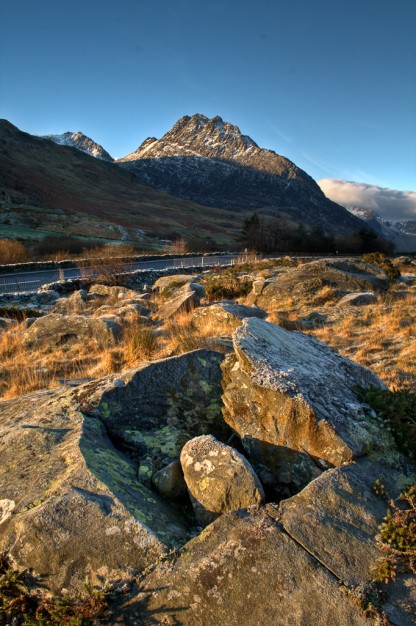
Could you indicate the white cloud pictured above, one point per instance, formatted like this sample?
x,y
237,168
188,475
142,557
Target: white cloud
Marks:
x,y
389,203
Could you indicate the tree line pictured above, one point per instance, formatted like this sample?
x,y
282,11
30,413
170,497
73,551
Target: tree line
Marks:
x,y
270,235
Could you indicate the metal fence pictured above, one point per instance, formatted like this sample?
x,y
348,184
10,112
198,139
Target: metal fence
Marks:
x,y
31,281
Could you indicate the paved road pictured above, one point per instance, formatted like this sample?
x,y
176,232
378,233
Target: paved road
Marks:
x,y
29,281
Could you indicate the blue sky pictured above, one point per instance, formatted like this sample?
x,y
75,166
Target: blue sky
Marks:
x,y
330,84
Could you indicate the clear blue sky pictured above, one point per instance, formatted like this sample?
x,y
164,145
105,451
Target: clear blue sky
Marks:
x,y
330,84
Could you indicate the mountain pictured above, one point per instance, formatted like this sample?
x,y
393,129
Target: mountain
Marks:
x,y
52,189
211,162
402,234
81,142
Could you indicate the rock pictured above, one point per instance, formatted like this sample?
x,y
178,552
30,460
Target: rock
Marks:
x,y
225,312
75,303
336,517
258,285
112,290
218,478
293,401
303,562
156,408
46,297
356,299
186,299
6,323
78,507
167,285
304,281
54,329
169,481
243,570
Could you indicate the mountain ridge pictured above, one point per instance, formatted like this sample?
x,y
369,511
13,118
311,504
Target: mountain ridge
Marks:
x,y
81,142
211,162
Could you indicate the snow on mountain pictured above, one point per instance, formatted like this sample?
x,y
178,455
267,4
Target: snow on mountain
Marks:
x,y
81,142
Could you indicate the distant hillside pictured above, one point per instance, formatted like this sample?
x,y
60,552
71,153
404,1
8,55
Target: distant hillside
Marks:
x,y
47,188
211,162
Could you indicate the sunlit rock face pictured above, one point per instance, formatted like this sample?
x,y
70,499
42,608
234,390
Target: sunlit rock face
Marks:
x,y
293,402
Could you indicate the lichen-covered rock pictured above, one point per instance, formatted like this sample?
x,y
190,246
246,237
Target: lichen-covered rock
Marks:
x,y
225,313
302,562
218,478
294,403
55,329
169,481
357,299
336,517
153,410
70,501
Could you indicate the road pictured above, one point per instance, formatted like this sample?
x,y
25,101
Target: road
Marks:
x,y
30,281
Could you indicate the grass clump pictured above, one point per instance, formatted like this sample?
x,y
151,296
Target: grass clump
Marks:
x,y
21,605
14,313
226,286
397,538
398,409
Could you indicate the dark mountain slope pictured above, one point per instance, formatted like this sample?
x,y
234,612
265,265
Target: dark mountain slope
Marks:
x,y
211,162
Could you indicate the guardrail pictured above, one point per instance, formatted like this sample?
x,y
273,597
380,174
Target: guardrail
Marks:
x,y
33,280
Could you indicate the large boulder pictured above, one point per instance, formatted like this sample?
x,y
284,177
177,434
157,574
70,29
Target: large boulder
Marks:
x,y
156,408
114,291
357,299
243,570
294,403
303,282
75,303
307,561
74,506
218,478
165,286
72,501
225,313
55,329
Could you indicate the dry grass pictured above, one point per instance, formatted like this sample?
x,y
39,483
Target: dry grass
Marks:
x,y
381,337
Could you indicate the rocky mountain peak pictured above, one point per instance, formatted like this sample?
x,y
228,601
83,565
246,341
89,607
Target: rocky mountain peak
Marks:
x,y
81,142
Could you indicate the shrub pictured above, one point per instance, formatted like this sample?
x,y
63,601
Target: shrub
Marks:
x,y
21,606
397,538
107,264
226,286
12,252
13,312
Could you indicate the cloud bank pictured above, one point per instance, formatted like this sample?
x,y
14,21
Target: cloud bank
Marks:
x,y
388,203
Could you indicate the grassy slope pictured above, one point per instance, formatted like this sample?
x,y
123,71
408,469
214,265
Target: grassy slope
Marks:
x,y
39,172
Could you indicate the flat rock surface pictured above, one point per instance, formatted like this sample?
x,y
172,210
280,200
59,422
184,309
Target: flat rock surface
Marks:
x,y
243,570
